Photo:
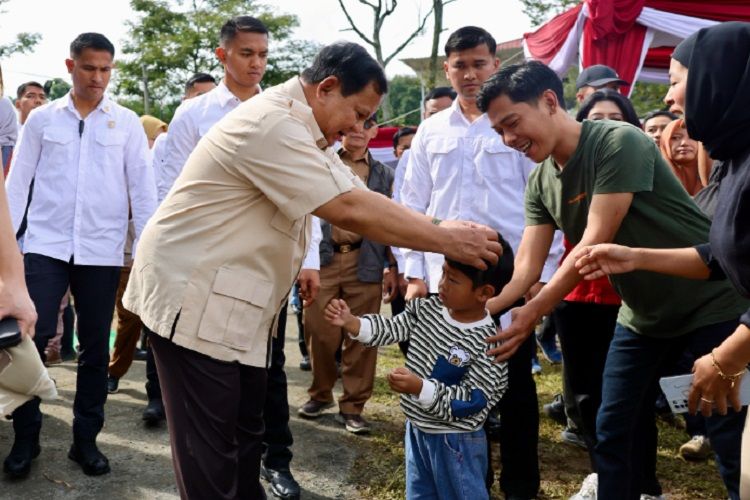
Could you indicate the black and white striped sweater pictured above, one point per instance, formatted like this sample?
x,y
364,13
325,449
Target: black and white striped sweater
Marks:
x,y
460,382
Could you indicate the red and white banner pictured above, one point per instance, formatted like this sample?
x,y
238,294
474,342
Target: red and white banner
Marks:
x,y
635,37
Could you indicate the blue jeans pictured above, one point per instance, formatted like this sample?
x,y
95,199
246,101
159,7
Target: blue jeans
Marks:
x,y
445,466
626,416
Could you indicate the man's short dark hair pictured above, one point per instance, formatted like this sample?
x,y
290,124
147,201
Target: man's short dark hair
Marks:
x,y
198,78
402,132
523,82
659,112
241,24
629,114
22,88
498,275
439,92
95,41
467,38
351,64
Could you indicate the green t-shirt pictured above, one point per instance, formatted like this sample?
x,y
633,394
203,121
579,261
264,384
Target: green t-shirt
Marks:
x,y
615,157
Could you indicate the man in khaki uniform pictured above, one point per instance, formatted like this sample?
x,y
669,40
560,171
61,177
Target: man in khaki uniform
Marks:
x,y
351,267
217,260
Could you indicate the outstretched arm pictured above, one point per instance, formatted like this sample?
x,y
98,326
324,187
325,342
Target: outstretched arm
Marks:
x,y
600,260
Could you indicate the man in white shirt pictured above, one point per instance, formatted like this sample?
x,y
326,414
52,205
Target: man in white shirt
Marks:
x,y
89,161
243,52
459,168
30,95
198,84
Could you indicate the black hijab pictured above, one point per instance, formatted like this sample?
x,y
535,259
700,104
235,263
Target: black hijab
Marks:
x,y
717,104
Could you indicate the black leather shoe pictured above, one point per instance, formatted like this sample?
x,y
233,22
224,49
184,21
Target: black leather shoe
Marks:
x,y
282,483
18,462
140,354
87,455
154,412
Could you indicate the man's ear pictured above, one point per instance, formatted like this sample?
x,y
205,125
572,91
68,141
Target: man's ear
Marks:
x,y
445,68
70,64
549,98
496,63
327,85
221,54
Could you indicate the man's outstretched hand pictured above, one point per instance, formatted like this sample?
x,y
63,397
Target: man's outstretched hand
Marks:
x,y
524,319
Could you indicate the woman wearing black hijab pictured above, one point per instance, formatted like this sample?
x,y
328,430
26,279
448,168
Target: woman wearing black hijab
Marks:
x,y
711,72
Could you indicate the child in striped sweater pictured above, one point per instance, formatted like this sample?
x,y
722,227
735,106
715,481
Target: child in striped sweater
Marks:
x,y
449,384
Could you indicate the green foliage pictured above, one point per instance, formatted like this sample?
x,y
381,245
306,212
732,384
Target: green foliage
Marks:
x,y
23,44
406,95
541,11
648,97
173,39
56,88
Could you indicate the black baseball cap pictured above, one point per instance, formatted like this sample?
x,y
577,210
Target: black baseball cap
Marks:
x,y
597,76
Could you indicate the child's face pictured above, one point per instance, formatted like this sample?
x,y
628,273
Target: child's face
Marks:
x,y
457,292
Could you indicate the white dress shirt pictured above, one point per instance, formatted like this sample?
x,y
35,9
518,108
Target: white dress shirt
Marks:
x,y
312,258
398,181
8,122
86,174
462,170
158,152
192,120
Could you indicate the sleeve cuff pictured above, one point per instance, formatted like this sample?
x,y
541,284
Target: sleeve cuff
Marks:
x,y
414,266
365,331
707,256
312,259
745,318
400,262
427,394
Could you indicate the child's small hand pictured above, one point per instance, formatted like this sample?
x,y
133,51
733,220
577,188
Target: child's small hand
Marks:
x,y
404,381
338,313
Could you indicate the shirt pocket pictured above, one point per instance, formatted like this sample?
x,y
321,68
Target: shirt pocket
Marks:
x,y
495,161
110,145
234,310
445,160
57,146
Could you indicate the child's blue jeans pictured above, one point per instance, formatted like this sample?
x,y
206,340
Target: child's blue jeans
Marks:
x,y
445,466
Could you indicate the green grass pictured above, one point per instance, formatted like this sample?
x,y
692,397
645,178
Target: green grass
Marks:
x,y
379,469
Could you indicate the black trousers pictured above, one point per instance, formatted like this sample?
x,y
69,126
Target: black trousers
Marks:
x,y
215,419
585,331
153,389
93,289
519,426
277,440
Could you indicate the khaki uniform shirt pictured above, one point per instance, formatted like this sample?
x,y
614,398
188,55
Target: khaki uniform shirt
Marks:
x,y
225,246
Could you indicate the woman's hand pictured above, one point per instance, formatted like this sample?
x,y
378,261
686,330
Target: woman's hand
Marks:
x,y
709,390
16,303
600,260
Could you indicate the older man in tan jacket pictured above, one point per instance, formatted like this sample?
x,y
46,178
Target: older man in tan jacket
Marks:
x,y
218,259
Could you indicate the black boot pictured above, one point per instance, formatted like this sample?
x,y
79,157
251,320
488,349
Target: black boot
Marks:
x,y
87,455
27,423
154,412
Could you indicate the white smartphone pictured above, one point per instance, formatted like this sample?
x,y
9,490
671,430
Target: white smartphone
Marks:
x,y
677,389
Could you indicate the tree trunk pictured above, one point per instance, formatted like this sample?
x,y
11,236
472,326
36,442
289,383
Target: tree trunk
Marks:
x,y
437,29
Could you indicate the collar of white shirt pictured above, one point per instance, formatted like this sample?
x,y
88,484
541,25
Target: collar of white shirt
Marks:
x,y
104,105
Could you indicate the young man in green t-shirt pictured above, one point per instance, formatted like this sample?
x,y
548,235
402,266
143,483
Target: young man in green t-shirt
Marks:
x,y
607,182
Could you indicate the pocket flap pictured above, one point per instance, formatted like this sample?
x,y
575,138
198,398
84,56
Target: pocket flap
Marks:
x,y
242,285
110,137
58,135
442,145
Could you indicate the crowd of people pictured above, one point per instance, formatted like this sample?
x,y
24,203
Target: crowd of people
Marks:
x,y
506,214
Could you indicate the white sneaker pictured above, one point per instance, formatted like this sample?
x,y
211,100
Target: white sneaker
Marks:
x,y
588,488
653,497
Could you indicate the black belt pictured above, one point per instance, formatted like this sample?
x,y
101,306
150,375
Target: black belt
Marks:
x,y
349,247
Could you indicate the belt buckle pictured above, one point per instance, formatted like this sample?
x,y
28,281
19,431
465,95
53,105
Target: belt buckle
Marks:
x,y
345,248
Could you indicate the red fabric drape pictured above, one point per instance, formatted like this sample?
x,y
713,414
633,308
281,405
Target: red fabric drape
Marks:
x,y
658,57
612,17
547,41
611,36
384,139
720,10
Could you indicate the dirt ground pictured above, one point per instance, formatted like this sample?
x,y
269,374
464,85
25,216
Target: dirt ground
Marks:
x,y
140,457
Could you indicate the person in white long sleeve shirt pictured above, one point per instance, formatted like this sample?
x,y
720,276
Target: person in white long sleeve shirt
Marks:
x,y
88,158
243,52
459,168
